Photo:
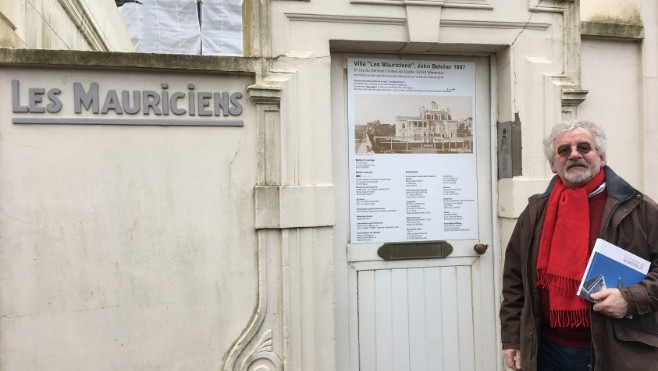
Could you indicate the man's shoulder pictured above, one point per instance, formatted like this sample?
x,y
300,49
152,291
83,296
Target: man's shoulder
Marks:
x,y
617,187
647,199
534,208
622,190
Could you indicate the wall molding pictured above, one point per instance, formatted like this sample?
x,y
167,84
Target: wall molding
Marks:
x,y
262,358
301,17
79,16
612,31
549,6
240,348
7,21
281,207
572,94
495,25
472,4
247,350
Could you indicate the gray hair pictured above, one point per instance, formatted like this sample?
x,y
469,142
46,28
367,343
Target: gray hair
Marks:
x,y
566,126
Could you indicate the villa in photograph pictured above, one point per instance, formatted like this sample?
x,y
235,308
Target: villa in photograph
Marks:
x,y
433,130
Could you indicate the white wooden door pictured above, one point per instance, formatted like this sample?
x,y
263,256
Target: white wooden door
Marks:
x,y
422,314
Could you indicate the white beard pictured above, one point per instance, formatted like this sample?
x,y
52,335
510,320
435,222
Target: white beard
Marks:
x,y
578,175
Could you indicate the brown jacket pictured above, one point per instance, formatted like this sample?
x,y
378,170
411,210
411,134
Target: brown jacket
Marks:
x,y
630,220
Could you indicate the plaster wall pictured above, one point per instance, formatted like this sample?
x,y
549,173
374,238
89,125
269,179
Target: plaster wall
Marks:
x,y
125,247
627,11
63,24
611,73
528,45
534,42
649,84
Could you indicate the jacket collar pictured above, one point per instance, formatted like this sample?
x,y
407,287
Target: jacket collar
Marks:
x,y
616,187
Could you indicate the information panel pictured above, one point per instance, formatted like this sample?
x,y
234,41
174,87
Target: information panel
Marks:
x,y
412,156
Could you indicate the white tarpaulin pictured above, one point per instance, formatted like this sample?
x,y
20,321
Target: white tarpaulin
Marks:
x,y
212,27
221,27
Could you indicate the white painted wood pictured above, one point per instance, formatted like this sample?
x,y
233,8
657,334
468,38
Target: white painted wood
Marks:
x,y
434,335
367,348
450,318
428,314
400,313
416,319
417,328
353,321
383,320
465,318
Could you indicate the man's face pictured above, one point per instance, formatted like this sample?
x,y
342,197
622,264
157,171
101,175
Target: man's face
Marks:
x,y
572,161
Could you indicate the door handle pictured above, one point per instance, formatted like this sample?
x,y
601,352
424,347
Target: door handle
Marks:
x,y
480,248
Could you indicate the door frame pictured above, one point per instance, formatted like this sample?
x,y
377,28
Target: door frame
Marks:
x,y
346,323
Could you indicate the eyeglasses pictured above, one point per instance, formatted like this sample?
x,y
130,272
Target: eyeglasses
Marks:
x,y
582,148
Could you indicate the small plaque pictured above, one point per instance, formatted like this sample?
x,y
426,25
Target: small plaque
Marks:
x,y
415,250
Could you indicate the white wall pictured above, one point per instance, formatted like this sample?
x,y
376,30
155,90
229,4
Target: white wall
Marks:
x,y
611,72
124,247
63,24
608,9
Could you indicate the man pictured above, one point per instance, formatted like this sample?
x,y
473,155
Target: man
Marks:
x,y
545,326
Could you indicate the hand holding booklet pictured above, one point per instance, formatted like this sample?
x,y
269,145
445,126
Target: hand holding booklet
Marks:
x,y
610,266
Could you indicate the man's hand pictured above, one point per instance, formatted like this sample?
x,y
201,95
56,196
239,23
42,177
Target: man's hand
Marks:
x,y
512,359
611,303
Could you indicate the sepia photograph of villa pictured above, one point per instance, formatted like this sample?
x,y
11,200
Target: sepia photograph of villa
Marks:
x,y
413,124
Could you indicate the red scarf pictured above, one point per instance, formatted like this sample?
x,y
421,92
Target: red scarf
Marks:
x,y
564,251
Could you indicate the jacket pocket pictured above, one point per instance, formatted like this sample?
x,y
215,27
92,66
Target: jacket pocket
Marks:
x,y
643,329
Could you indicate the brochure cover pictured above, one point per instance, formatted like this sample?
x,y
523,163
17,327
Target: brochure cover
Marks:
x,y
611,266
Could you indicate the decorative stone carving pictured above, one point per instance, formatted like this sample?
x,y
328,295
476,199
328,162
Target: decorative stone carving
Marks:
x,y
262,357
246,354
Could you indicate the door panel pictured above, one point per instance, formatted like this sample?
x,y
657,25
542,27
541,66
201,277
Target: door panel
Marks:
x,y
409,318
423,314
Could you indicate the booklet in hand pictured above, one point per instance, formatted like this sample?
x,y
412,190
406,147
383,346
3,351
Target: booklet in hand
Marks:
x,y
610,266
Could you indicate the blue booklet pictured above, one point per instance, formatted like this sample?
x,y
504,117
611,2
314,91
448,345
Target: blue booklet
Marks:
x,y
610,266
